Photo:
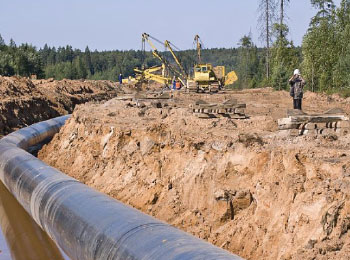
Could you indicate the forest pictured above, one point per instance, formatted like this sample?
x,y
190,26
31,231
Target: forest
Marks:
x,y
323,57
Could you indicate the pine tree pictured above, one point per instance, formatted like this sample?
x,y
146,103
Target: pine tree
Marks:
x,y
2,42
320,46
88,61
342,69
248,63
284,58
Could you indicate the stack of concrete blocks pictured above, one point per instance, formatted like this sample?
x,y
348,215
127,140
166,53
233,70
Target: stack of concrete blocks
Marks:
x,y
230,108
157,100
333,121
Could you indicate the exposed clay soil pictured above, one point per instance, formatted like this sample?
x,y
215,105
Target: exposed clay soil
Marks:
x,y
24,102
239,184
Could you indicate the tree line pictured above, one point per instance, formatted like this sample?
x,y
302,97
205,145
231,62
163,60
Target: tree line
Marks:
x,y
323,57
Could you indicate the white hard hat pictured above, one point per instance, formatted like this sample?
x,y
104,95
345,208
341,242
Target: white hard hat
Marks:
x,y
296,72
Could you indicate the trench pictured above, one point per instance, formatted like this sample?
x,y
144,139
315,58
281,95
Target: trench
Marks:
x,y
70,213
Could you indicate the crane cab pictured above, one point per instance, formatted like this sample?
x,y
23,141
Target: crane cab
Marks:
x,y
204,72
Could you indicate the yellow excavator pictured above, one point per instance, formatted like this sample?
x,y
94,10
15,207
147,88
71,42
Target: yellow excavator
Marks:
x,y
207,77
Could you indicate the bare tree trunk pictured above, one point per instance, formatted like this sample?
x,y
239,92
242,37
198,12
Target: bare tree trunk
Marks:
x,y
312,78
267,39
266,18
281,18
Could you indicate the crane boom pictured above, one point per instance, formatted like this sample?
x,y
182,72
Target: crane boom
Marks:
x,y
155,52
145,37
168,45
198,47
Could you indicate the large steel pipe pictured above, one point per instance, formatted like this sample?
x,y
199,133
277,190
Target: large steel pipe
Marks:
x,y
85,223
24,238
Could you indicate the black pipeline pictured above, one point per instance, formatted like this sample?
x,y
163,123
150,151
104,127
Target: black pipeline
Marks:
x,y
85,223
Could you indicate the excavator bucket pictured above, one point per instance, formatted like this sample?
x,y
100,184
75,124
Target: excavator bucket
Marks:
x,y
231,78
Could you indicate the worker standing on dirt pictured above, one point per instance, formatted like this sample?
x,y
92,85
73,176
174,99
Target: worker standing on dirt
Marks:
x,y
120,78
178,85
297,84
174,83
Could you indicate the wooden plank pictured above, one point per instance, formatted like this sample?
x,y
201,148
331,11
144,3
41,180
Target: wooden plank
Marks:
x,y
236,116
318,118
232,106
207,105
201,115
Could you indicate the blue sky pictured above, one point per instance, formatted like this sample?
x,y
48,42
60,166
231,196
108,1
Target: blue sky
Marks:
x,y
118,24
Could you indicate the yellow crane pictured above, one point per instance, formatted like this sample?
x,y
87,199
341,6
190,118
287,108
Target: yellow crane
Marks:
x,y
166,67
206,76
169,46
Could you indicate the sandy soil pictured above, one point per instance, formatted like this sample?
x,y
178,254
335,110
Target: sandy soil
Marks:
x,y
24,102
239,184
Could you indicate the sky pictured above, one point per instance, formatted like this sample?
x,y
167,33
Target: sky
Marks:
x,y
118,24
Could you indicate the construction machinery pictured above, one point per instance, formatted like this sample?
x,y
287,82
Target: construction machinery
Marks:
x,y
168,71
207,77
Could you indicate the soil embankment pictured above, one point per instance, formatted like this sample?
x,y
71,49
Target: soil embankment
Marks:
x,y
24,102
240,184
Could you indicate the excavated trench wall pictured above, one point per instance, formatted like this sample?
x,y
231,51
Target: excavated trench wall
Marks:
x,y
84,223
24,102
262,196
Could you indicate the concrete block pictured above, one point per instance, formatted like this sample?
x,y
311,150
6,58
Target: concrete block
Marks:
x,y
342,124
312,132
239,110
310,126
288,126
284,121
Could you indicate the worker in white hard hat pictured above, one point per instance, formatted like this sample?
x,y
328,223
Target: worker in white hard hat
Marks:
x,y
297,84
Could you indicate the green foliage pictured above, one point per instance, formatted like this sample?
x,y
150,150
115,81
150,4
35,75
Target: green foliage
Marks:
x,y
284,58
23,60
324,56
326,47
248,64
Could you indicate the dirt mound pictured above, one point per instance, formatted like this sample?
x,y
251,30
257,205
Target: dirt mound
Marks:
x,y
12,87
236,183
67,93
24,102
